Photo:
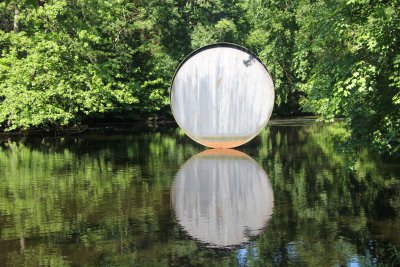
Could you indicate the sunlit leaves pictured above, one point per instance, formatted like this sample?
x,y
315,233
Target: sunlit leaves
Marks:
x,y
74,60
31,2
341,58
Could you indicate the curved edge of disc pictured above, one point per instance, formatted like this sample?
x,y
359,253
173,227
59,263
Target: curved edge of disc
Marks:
x,y
219,145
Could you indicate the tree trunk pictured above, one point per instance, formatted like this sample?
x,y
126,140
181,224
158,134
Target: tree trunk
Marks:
x,y
16,14
22,243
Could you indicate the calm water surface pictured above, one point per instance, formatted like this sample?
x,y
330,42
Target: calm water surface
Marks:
x,y
155,198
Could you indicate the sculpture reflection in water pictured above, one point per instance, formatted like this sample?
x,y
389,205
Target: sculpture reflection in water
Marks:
x,y
222,197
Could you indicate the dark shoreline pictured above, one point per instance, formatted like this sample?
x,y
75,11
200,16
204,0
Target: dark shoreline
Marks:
x,y
87,128
137,126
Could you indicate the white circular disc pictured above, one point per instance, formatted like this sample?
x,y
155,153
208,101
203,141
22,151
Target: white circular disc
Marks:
x,y
222,96
222,197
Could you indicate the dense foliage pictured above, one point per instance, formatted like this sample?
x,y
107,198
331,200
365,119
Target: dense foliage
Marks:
x,y
335,59
64,62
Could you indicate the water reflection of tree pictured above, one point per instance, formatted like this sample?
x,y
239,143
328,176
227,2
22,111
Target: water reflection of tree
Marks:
x,y
115,208
115,193
325,200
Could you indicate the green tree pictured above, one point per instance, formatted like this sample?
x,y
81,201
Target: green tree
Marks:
x,y
67,62
74,60
272,37
349,59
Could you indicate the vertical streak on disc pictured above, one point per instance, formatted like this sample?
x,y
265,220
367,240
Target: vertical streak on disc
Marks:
x,y
222,96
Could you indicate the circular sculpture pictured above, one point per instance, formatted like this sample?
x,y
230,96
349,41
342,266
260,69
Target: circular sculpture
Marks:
x,y
222,197
222,95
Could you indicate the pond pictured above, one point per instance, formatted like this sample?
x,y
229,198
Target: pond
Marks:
x,y
153,197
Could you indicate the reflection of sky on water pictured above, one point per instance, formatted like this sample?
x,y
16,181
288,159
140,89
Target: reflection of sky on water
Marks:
x,y
244,253
222,197
365,260
251,250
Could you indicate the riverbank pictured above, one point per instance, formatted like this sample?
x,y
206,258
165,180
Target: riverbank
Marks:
x,y
132,126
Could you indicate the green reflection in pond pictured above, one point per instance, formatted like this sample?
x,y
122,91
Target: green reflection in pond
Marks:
x,y
104,199
331,209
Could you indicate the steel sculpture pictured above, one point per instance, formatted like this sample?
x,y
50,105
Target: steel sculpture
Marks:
x,y
222,95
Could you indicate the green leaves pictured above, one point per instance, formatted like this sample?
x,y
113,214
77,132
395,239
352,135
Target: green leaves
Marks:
x,y
31,2
75,60
343,60
70,61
